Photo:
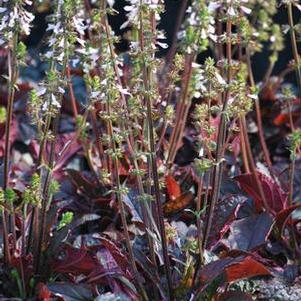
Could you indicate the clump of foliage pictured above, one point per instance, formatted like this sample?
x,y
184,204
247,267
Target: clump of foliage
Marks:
x,y
140,176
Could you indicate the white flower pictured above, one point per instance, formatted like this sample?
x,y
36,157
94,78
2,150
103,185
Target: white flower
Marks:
x,y
56,28
62,43
61,90
246,10
231,100
111,2
253,96
3,24
79,25
81,42
232,8
60,57
134,45
197,94
162,45
195,65
104,82
192,19
41,91
52,41
220,79
213,6
122,90
74,62
161,35
204,27
231,11
134,8
49,54
54,101
15,16
95,94
45,106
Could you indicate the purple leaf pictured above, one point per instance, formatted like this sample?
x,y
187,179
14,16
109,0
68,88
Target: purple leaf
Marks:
x,y
225,213
232,269
250,233
282,216
71,292
116,253
274,195
215,268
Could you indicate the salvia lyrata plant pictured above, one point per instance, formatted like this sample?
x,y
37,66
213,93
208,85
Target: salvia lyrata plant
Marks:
x,y
166,169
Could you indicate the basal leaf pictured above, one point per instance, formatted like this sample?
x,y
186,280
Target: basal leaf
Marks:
x,y
245,269
282,216
274,195
71,292
250,233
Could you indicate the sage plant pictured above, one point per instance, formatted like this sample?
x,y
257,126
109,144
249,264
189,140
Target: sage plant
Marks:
x,y
15,20
140,113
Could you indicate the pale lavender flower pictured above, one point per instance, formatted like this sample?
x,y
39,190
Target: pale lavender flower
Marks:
x,y
14,18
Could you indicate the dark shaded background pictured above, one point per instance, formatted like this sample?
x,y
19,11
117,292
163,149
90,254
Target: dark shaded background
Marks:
x,y
168,23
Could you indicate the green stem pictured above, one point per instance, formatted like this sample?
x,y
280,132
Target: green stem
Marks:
x,y
294,44
122,209
218,169
181,112
34,219
297,61
198,219
259,117
51,162
116,165
153,162
13,76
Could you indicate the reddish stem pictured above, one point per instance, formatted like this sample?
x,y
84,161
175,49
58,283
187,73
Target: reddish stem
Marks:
x,y
72,96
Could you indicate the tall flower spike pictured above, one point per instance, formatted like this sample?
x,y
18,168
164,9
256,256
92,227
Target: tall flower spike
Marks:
x,y
14,17
133,12
199,27
232,8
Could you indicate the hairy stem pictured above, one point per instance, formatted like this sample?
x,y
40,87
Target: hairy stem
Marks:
x,y
70,87
122,209
13,71
258,115
181,112
298,71
153,162
294,44
218,169
198,219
